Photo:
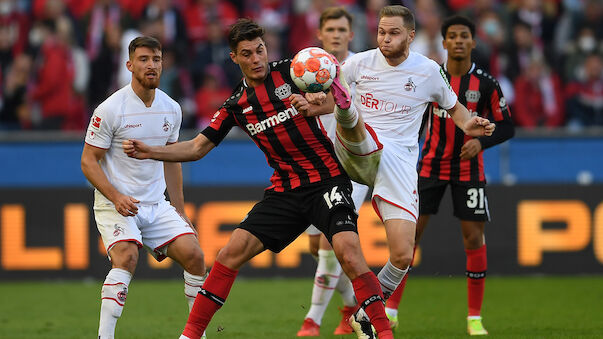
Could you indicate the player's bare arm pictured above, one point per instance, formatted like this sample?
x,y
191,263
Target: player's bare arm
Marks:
x,y
124,205
173,181
312,104
472,126
190,150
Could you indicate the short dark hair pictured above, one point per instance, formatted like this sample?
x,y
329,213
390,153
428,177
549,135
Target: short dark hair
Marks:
x,y
332,13
458,20
244,29
144,41
401,11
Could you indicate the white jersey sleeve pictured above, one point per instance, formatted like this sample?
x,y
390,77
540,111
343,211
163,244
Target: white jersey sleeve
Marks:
x,y
101,128
442,91
177,123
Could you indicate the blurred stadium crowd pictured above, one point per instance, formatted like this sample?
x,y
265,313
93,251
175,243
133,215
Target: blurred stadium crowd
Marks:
x,y
61,58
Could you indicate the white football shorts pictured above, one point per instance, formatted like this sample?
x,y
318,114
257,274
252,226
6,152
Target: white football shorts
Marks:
x,y
154,227
391,170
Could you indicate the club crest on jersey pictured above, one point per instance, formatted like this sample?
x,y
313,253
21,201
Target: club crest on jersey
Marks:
x,y
166,124
410,86
283,91
472,96
96,122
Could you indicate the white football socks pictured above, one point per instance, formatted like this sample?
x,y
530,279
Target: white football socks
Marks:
x,y
192,286
390,277
345,288
363,147
347,118
325,280
113,298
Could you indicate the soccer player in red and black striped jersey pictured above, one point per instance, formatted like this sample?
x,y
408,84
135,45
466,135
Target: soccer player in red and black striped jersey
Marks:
x,y
450,157
309,186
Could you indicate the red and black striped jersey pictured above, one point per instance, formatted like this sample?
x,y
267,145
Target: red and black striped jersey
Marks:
x,y
296,147
440,156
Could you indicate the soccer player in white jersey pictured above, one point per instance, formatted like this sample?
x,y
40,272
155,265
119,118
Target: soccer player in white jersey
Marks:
x,y
335,34
129,203
378,127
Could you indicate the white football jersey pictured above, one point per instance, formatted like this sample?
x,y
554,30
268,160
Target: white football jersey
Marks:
x,y
391,99
124,116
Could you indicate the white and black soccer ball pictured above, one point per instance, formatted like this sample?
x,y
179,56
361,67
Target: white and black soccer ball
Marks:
x,y
313,69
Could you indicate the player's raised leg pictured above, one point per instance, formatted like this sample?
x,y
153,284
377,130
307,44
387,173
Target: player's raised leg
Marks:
x,y
124,257
475,249
241,247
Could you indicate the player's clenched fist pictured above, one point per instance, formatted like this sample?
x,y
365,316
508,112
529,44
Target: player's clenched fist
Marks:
x,y
478,126
136,149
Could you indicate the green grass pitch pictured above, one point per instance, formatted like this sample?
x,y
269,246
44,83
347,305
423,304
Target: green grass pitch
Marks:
x,y
433,307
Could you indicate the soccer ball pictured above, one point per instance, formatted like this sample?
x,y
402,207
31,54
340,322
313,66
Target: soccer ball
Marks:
x,y
313,69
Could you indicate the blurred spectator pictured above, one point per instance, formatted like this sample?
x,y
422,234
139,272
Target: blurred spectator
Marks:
x,y
14,111
522,49
214,51
103,27
274,16
540,16
53,87
304,22
428,38
173,29
14,27
539,100
490,51
211,95
583,45
199,13
585,96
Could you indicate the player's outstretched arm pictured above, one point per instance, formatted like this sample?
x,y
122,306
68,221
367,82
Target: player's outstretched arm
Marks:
x,y
124,205
190,150
472,126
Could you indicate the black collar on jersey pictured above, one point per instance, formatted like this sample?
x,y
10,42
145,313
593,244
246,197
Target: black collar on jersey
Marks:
x,y
445,67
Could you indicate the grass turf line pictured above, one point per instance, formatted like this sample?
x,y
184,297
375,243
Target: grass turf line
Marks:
x,y
514,307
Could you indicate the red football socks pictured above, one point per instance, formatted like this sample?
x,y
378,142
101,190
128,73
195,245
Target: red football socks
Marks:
x,y
209,300
476,279
366,286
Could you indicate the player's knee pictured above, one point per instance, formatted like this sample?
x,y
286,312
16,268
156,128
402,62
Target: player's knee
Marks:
x,y
126,260
195,262
401,260
314,245
473,240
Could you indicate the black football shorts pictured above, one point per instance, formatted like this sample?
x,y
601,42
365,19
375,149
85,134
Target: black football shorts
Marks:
x,y
280,217
469,199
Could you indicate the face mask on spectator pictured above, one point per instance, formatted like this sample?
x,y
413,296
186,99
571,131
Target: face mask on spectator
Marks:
x,y
490,27
6,7
587,43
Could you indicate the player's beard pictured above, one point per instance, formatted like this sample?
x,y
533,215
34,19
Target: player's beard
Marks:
x,y
148,83
395,53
